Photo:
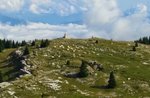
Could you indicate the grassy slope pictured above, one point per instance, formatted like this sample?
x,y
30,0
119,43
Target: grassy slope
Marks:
x,y
132,70
7,67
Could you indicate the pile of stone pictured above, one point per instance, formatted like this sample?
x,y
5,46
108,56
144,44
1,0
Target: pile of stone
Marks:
x,y
95,65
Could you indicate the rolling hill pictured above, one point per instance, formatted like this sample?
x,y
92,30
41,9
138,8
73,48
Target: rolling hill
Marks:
x,y
45,70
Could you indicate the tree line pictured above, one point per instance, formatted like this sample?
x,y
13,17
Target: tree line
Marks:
x,y
144,40
6,44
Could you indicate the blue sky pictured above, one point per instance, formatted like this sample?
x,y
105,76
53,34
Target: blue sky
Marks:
x,y
111,19
25,14
127,4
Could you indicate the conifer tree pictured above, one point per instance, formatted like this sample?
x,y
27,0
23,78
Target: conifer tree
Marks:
x,y
1,46
23,43
1,77
149,40
26,51
133,48
83,70
13,44
16,44
33,43
44,43
68,62
96,41
136,44
111,81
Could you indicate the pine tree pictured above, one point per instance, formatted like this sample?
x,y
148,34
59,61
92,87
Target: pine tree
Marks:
x,y
96,41
23,43
33,43
26,51
1,77
136,44
7,44
44,43
17,44
140,40
149,40
112,81
144,40
1,46
83,70
68,62
133,48
13,44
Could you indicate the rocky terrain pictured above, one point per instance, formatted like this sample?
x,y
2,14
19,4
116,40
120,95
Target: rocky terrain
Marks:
x,y
43,73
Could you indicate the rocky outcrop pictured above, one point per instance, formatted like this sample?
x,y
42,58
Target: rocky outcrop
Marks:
x,y
95,65
22,61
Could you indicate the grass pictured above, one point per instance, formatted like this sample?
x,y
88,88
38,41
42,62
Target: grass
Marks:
x,y
131,73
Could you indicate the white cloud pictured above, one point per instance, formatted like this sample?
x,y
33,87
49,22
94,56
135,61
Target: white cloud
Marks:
x,y
40,30
11,5
102,11
40,6
63,8
105,17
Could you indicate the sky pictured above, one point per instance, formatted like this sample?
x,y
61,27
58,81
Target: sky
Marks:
x,y
110,19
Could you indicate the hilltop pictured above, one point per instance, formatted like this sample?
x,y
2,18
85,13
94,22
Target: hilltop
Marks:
x,y
42,73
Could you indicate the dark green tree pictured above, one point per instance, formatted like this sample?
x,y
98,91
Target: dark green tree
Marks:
x,y
111,81
44,43
144,40
26,51
8,44
1,46
133,48
33,43
136,44
23,43
83,69
17,44
1,77
96,41
13,44
68,62
149,40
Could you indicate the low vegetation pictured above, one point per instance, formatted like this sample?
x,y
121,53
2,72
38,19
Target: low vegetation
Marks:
x,y
76,68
